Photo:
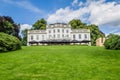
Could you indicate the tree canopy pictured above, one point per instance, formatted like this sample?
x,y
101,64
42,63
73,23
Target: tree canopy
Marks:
x,y
39,24
94,29
112,42
8,26
76,23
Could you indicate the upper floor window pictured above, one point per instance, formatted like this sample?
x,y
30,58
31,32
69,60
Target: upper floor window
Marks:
x,y
79,36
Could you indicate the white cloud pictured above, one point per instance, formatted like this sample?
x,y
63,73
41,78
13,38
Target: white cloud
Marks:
x,y
99,12
75,2
81,4
25,26
67,14
24,4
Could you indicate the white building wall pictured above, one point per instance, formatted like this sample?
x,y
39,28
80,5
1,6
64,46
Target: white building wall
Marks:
x,y
58,32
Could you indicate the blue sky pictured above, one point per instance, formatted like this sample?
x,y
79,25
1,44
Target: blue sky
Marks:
x,y
104,13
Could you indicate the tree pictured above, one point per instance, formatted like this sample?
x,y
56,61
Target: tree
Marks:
x,y
24,39
94,30
8,26
95,33
39,24
112,42
76,23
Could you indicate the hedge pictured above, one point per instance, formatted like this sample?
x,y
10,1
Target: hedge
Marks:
x,y
9,43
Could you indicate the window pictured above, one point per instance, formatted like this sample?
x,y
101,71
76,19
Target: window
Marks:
x,y
42,37
85,36
37,37
49,31
79,36
67,36
54,31
49,36
54,36
63,35
63,30
73,36
58,30
58,36
32,37
66,31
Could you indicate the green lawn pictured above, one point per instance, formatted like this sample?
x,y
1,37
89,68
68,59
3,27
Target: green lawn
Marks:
x,y
60,63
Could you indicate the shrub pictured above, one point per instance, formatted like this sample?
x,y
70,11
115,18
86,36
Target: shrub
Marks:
x,y
113,42
9,43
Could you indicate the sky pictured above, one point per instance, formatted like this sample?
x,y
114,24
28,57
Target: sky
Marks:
x,y
104,13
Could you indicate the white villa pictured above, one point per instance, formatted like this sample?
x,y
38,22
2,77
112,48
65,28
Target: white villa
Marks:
x,y
58,33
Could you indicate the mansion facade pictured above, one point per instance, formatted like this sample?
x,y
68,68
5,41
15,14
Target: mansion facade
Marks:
x,y
58,33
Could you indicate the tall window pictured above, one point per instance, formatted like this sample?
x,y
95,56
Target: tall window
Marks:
x,y
58,30
54,31
85,36
58,36
32,37
49,36
67,36
73,36
54,36
79,36
62,35
66,31
63,30
37,37
49,31
42,37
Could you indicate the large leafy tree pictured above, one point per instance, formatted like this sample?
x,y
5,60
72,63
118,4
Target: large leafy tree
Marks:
x,y
8,26
112,42
39,24
94,30
95,33
76,23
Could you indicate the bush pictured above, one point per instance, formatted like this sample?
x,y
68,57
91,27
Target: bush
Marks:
x,y
9,43
113,42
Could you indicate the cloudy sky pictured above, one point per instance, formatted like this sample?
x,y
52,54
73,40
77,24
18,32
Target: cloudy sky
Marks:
x,y
104,13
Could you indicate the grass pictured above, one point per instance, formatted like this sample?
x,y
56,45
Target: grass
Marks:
x,y
60,63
